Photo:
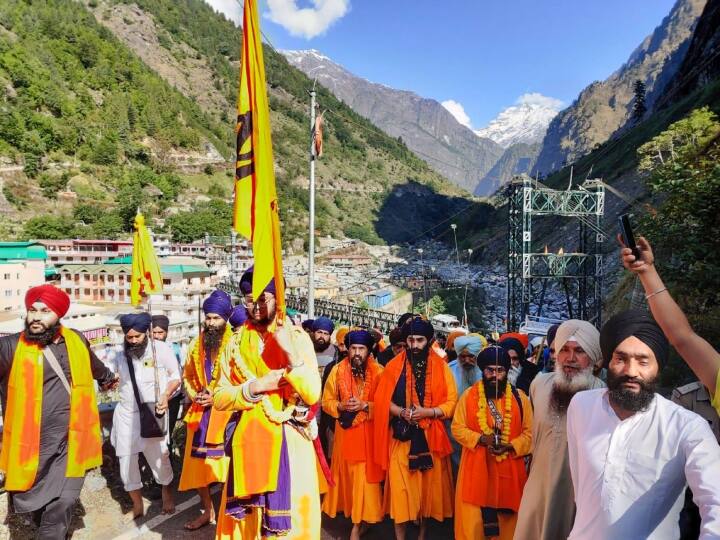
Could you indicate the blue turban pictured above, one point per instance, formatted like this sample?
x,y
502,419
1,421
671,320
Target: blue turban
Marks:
x,y
247,279
140,322
218,302
494,356
472,342
360,337
307,324
238,316
418,327
323,323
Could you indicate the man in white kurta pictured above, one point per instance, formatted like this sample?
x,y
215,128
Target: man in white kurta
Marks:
x,y
632,452
125,436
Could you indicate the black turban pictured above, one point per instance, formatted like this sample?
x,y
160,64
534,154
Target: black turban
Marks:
x,y
494,356
638,323
551,333
512,344
405,317
418,326
307,324
360,337
140,322
396,336
160,321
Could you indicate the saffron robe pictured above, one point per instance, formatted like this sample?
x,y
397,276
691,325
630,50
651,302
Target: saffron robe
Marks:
x,y
500,483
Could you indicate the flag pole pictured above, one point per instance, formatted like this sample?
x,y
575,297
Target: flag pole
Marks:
x,y
154,357
311,244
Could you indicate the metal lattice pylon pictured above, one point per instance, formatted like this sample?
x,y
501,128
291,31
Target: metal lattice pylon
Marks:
x,y
527,269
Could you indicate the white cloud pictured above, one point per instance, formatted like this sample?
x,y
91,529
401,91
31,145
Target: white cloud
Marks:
x,y
306,22
535,98
458,111
232,9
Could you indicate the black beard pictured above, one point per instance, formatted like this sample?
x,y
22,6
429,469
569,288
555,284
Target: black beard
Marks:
x,y
212,337
560,399
44,338
627,399
137,350
358,366
320,347
491,392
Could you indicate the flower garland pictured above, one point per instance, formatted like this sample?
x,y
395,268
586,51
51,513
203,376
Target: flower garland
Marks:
x,y
348,385
411,395
482,416
237,361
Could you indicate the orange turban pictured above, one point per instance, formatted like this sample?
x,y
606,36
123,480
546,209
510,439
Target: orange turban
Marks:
x,y
522,338
450,344
51,296
340,334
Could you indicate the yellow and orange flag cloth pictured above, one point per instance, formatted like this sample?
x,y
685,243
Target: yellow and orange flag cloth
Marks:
x,y
146,274
256,213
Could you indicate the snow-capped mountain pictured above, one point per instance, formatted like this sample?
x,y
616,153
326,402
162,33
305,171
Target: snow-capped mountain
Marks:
x,y
525,122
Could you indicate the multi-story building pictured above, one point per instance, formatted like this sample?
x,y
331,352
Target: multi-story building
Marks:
x,y
85,251
22,265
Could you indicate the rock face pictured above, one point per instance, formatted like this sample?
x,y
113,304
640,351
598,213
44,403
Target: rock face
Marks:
x,y
604,107
425,126
519,158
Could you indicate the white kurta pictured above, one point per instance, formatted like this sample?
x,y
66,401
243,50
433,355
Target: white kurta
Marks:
x,y
125,436
629,475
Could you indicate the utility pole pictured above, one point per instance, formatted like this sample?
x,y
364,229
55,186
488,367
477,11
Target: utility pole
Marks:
x,y
311,246
453,226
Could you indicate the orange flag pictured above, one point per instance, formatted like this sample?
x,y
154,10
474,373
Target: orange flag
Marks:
x,y
256,213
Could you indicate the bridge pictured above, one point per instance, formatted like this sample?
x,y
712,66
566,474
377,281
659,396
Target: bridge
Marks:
x,y
347,314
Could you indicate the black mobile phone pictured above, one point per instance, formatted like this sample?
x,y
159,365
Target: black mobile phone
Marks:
x,y
627,235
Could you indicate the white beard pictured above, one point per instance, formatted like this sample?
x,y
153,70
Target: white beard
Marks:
x,y
581,381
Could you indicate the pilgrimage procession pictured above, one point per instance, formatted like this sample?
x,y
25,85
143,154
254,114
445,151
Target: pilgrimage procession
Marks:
x,y
535,361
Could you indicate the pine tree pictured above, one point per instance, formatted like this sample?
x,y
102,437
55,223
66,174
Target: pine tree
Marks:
x,y
639,107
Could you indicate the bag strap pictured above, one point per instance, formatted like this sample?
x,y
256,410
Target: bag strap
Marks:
x,y
53,361
131,369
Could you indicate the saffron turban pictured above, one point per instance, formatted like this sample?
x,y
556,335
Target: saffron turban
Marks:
x,y
218,302
640,324
307,324
522,338
160,321
323,323
551,333
360,337
418,326
473,343
140,322
450,344
513,344
340,334
238,316
247,279
494,356
58,301
584,333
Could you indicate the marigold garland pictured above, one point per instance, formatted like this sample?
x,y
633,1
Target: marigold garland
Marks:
x,y
482,416
348,385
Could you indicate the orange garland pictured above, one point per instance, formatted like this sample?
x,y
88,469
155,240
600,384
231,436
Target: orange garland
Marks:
x,y
348,387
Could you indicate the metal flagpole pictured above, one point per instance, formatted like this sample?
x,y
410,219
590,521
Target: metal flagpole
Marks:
x,y
154,357
311,246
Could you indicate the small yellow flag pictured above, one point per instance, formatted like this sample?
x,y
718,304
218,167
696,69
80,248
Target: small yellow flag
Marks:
x,y
146,274
256,212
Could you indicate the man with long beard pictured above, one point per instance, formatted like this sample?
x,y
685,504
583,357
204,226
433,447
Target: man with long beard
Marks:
x,y
547,508
348,397
633,451
269,378
205,461
415,395
149,375
46,386
493,423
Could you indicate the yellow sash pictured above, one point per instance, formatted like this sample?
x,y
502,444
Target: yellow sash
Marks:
x,y
20,453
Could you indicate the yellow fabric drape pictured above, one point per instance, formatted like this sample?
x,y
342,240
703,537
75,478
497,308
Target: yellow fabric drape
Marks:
x,y
146,274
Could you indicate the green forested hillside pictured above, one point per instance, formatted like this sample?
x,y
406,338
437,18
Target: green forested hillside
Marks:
x,y
98,131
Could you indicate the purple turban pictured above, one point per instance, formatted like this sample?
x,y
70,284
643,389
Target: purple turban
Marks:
x,y
418,326
218,302
140,322
360,337
238,316
307,324
247,279
323,323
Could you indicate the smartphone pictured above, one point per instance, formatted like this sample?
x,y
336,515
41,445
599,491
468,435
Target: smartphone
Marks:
x,y
628,236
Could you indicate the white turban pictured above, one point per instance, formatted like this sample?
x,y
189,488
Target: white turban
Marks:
x,y
585,334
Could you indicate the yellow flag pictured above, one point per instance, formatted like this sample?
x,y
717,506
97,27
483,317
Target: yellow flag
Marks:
x,y
256,214
146,274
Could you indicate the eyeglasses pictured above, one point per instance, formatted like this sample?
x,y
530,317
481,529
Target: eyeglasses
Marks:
x,y
498,370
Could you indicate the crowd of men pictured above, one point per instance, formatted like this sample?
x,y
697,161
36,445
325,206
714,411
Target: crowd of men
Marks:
x,y
564,436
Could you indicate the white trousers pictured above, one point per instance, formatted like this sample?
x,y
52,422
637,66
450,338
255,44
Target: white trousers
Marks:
x,y
157,455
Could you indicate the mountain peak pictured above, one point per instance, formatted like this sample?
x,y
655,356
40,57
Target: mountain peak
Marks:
x,y
525,122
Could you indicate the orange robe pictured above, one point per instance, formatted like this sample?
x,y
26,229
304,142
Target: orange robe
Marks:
x,y
353,494
258,436
496,484
412,494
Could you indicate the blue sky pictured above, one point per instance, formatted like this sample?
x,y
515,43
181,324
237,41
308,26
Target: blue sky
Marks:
x,y
483,54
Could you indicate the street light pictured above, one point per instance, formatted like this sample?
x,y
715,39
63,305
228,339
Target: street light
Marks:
x,y
457,253
422,269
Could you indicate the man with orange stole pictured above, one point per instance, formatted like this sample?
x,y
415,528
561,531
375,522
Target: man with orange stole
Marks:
x,y
205,461
52,426
493,423
269,377
415,394
348,396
